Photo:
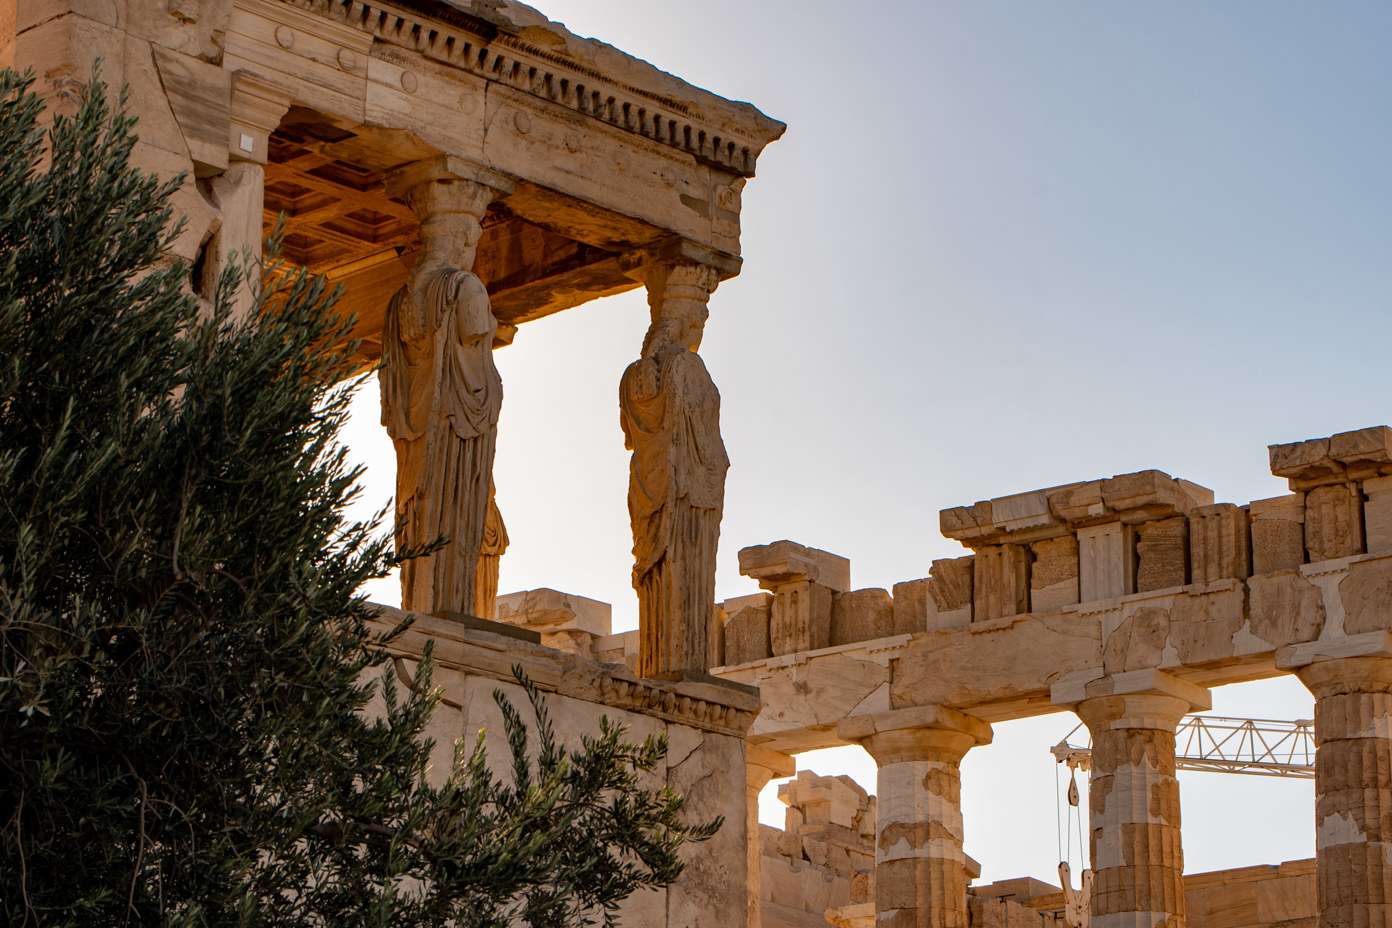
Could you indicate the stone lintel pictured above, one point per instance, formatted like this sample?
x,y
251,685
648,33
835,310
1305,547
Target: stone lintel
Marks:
x,y
789,562
775,763
1369,644
1130,498
1069,693
1363,446
1153,494
1040,514
1020,518
931,717
446,167
1339,458
1081,504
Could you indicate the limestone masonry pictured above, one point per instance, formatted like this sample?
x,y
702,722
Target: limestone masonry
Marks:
x,y
465,167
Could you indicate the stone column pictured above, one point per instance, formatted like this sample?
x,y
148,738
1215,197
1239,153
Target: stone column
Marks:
x,y
441,392
761,765
1137,858
920,867
239,193
670,413
1353,797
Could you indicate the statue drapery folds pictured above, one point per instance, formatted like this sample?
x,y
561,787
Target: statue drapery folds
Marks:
x,y
441,397
670,413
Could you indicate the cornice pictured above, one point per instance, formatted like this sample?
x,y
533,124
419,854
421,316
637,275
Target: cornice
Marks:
x,y
666,701
477,648
475,47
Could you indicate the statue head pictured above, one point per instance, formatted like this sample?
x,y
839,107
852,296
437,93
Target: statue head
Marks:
x,y
677,296
451,212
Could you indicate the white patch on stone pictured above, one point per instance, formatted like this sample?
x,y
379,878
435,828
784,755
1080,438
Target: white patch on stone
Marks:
x,y
1128,803
944,849
1379,726
903,800
1108,852
1333,603
1338,829
877,701
1244,642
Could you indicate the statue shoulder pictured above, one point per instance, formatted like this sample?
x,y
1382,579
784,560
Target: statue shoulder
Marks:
x,y
639,380
468,288
454,285
688,375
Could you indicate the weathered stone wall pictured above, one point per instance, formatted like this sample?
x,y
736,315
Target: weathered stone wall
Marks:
x,y
824,858
704,723
1124,600
1074,583
819,869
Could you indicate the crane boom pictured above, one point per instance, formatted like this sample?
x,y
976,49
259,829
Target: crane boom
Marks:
x,y
1218,744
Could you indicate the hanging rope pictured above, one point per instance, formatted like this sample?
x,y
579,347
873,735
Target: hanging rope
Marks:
x,y
1077,901
1058,816
1076,813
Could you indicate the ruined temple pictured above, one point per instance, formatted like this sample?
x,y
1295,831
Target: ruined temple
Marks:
x,y
464,167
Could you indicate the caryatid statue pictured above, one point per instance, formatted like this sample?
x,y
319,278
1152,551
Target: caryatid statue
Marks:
x,y
441,393
670,412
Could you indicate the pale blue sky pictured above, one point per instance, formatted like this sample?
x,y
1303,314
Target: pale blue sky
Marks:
x,y
1002,246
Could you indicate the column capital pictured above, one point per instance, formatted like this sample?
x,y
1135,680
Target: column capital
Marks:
x,y
679,252
258,106
1347,676
447,167
930,732
1134,683
764,764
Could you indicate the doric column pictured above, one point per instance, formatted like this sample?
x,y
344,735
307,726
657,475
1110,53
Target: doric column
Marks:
x,y
920,867
761,765
1137,856
670,412
441,393
1353,795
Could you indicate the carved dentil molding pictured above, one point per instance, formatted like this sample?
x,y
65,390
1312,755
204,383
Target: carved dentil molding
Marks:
x,y
507,60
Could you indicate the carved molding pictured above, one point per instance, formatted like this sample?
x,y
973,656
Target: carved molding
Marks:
x,y
507,60
655,699
717,706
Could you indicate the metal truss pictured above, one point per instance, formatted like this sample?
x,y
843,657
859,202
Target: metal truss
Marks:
x,y
1217,744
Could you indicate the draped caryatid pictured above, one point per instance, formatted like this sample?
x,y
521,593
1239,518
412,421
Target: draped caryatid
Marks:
x,y
441,396
670,413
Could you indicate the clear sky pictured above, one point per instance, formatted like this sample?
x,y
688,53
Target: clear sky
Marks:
x,y
1002,246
